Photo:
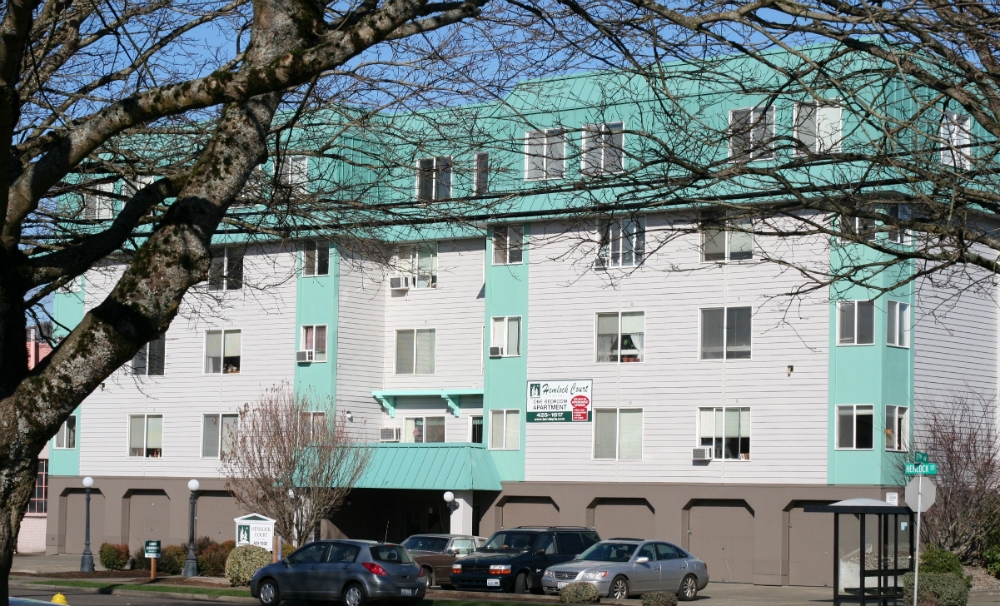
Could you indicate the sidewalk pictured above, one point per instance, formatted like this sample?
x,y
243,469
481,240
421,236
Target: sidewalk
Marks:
x,y
39,563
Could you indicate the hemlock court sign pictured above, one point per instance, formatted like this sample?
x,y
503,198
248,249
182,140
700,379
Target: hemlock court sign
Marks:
x,y
255,529
560,401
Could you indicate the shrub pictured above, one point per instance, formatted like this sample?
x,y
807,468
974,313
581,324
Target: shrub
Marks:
x,y
114,557
991,559
937,589
244,561
938,560
579,593
659,598
212,558
286,549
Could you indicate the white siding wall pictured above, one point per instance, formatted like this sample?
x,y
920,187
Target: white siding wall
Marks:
x,y
265,312
789,413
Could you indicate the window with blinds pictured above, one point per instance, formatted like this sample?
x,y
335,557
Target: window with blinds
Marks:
x,y
415,351
505,429
145,436
218,435
150,358
817,127
618,433
726,431
726,333
222,351
621,337
506,334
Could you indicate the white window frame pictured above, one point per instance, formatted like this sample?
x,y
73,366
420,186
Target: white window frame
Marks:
x,y
312,416
956,135
854,415
63,433
395,353
293,170
900,442
145,435
204,353
98,207
423,435
312,253
408,261
551,138
600,138
618,434
481,174
326,343
830,141
472,427
144,352
505,440
725,332
755,152
726,233
618,337
441,175
717,410
857,317
897,324
513,242
611,252
223,274
506,334
220,415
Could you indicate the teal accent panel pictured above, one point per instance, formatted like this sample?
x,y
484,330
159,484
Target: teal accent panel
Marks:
x,y
66,461
68,310
317,302
878,375
506,379
444,466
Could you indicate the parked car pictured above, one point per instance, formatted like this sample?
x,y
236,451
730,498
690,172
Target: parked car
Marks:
x,y
620,568
351,572
513,560
437,552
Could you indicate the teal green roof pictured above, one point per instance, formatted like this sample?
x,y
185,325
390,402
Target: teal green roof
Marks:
x,y
445,466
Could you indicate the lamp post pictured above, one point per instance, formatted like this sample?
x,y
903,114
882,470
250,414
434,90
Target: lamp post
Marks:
x,y
191,563
87,561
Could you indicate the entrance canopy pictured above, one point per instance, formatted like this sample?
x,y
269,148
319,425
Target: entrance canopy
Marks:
x,y
439,466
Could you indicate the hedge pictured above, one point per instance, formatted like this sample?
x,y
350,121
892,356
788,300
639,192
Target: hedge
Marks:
x,y
114,557
659,598
579,593
244,561
937,589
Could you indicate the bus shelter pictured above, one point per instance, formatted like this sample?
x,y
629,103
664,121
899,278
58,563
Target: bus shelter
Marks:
x,y
872,549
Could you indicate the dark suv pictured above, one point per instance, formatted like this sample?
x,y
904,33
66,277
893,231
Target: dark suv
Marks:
x,y
514,559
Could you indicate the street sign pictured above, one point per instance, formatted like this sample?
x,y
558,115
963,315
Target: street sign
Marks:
x,y
892,498
926,469
928,492
921,457
152,549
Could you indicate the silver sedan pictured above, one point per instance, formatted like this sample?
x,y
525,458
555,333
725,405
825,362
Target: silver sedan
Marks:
x,y
621,568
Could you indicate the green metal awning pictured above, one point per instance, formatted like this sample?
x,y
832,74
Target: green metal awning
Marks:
x,y
439,466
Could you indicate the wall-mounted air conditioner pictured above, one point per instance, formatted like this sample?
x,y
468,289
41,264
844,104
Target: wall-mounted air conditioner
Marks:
x,y
496,352
399,283
304,356
390,434
702,454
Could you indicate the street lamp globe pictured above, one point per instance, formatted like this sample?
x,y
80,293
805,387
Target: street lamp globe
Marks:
x,y
88,482
193,485
449,496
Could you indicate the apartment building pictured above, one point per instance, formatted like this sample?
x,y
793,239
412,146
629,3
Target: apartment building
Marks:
x,y
631,372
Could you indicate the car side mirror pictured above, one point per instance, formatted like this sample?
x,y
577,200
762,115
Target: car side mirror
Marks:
x,y
285,562
641,560
540,552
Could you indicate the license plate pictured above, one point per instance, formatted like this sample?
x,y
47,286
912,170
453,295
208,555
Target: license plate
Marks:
x,y
561,584
406,592
492,582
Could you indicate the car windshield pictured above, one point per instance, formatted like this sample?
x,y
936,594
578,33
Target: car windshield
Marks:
x,y
502,541
609,552
390,553
418,543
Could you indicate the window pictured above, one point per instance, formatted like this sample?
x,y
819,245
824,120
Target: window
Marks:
x,y
726,240
130,187
897,212
226,271
96,205
424,430
603,149
477,429
623,244
40,497
955,131
145,436
415,352
817,127
750,134
545,154
508,243
222,351
150,358
218,435
481,180
505,429
507,335
313,425
434,178
897,327
314,340
293,170
854,427
726,431
315,258
66,436
726,333
897,429
621,337
418,263
618,433
857,322
858,226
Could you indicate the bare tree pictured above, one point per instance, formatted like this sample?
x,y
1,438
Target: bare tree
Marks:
x,y
293,462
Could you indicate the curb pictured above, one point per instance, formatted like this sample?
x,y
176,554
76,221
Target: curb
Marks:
x,y
117,590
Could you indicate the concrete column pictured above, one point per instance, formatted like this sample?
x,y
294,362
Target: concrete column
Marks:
x,y
461,512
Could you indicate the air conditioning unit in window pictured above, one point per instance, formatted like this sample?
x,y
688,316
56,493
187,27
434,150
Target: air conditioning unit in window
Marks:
x,y
702,454
496,352
304,356
390,434
399,283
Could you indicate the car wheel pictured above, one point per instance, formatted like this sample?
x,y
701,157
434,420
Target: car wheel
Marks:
x,y
689,588
522,584
429,573
268,592
354,595
619,589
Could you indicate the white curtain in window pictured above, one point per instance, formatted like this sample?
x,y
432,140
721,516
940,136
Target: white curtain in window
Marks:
x,y
231,351
210,436
633,330
425,352
404,352
744,422
213,351
605,433
513,347
136,435
154,431
496,429
414,431
706,423
607,336
497,334
512,430
630,434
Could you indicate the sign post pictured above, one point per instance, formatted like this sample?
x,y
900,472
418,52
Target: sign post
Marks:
x,y
924,494
152,549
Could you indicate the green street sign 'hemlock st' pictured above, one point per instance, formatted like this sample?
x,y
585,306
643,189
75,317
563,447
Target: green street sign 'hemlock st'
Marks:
x,y
927,469
560,401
